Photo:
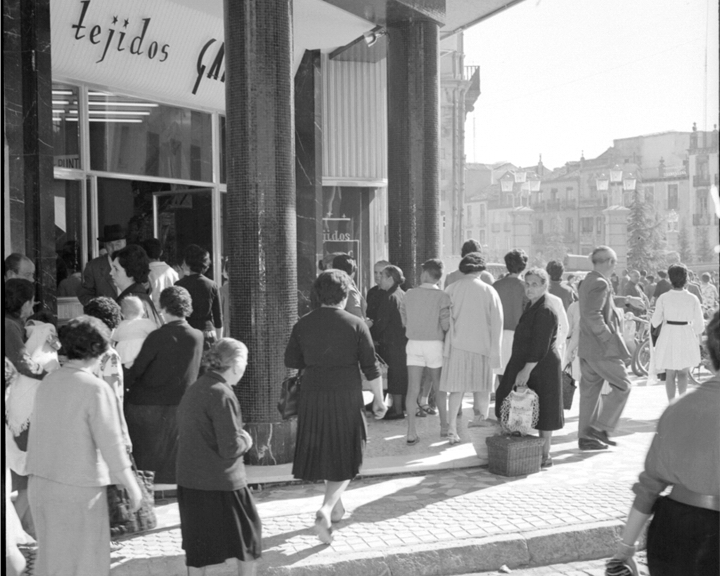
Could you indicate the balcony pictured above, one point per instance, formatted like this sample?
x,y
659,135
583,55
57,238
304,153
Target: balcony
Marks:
x,y
701,180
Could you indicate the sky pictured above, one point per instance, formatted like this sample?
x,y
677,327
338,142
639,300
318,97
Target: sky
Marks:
x,y
565,77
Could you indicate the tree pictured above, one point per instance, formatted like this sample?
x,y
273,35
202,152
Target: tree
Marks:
x,y
646,244
554,247
705,252
684,246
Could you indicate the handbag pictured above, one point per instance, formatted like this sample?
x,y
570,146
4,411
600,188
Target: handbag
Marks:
x,y
568,387
122,519
289,395
383,373
520,411
655,333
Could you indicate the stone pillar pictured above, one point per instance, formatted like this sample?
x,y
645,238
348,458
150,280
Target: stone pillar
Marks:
x,y
308,173
27,76
521,219
616,220
413,95
261,210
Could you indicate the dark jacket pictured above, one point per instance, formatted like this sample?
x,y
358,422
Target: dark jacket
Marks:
x,y
211,442
96,280
207,313
167,364
600,323
563,291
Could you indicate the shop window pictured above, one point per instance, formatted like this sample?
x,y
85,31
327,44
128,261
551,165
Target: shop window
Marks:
x,y
69,245
132,136
672,197
66,128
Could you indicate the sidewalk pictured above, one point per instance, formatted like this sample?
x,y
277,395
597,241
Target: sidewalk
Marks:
x,y
433,509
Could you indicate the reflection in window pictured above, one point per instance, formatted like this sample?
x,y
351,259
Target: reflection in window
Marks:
x,y
66,132
134,136
68,235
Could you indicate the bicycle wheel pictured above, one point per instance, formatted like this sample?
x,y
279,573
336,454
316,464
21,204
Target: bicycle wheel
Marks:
x,y
641,359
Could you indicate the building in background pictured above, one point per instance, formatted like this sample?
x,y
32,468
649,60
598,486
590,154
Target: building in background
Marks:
x,y
459,90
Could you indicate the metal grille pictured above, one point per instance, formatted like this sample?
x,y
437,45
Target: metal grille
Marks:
x,y
261,194
413,145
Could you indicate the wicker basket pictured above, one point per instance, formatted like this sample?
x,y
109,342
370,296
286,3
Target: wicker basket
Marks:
x,y
514,455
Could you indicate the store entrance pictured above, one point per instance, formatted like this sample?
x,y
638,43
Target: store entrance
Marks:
x,y
175,214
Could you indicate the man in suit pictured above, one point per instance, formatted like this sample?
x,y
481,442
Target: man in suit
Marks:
x,y
96,280
602,352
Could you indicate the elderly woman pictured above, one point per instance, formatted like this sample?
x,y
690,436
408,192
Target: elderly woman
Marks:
x,y
535,359
130,270
388,331
110,368
168,362
473,343
329,344
217,513
74,449
685,453
677,348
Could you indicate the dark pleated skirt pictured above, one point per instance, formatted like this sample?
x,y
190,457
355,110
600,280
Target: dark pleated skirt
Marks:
x,y
683,540
154,436
217,525
396,357
331,432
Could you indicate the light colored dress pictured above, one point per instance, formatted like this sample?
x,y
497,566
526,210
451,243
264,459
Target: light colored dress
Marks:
x,y
678,346
474,341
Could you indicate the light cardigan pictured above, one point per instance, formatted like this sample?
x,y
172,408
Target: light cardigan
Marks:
x,y
75,435
476,319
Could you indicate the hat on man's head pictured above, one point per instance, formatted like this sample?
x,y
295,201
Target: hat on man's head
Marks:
x,y
112,232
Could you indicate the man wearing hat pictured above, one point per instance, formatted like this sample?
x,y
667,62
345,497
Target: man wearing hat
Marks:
x,y
96,280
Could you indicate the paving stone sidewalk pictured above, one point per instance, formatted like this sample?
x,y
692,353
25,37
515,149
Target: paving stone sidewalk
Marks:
x,y
452,521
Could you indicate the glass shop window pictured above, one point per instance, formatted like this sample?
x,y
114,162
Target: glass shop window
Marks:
x,y
66,129
132,136
69,247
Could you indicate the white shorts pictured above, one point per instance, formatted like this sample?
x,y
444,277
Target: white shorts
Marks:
x,y
424,353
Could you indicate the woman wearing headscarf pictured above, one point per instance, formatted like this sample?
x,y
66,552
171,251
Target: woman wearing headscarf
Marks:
x,y
388,331
473,343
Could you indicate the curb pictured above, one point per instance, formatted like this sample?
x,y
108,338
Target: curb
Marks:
x,y
526,549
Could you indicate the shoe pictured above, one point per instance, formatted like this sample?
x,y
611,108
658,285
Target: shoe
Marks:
x,y
444,431
339,516
425,410
591,444
393,416
323,531
547,463
482,423
413,441
453,438
600,435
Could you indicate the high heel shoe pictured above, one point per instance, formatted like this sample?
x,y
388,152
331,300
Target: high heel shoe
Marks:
x,y
323,529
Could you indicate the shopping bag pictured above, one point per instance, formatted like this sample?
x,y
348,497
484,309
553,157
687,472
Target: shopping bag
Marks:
x,y
289,395
122,519
520,411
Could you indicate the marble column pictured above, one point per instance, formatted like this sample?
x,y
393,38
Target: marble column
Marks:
x,y
308,172
27,76
261,211
413,96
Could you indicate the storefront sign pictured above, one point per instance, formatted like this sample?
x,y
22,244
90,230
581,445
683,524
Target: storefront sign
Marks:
x,y
67,161
153,50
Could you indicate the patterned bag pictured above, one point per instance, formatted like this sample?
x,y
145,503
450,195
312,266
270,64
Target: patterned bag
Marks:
x,y
122,520
520,411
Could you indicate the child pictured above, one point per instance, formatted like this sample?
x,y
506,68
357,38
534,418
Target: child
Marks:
x,y
425,314
132,331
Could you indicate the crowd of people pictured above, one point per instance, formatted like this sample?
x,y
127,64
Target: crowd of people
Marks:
x,y
146,376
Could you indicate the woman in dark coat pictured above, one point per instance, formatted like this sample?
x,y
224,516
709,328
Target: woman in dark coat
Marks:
x,y
168,362
388,331
535,361
130,270
329,344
